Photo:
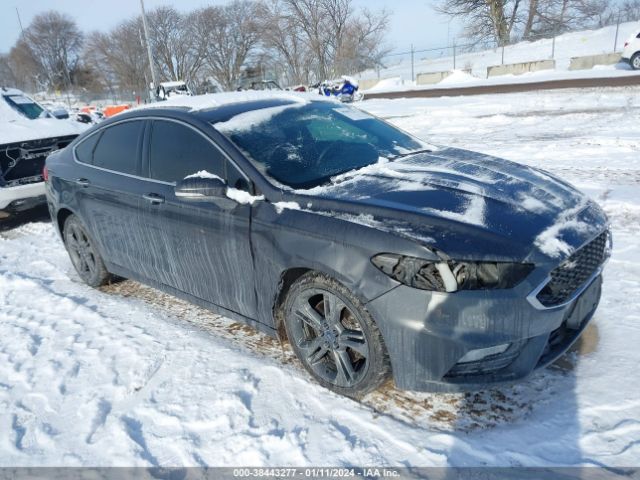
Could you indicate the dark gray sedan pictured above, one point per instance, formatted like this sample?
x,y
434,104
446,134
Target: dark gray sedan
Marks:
x,y
372,252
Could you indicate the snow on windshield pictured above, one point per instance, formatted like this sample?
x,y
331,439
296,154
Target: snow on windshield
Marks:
x,y
305,144
248,120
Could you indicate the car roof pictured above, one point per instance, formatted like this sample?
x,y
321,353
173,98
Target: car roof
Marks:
x,y
218,107
10,91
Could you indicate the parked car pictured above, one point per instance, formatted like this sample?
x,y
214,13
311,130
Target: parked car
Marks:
x,y
631,52
167,90
28,133
370,250
264,85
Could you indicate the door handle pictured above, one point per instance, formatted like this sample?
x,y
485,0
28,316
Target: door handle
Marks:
x,y
154,198
83,182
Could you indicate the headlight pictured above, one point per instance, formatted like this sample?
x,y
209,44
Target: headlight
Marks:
x,y
451,276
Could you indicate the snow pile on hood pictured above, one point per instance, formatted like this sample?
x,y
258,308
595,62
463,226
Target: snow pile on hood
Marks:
x,y
550,240
212,100
16,128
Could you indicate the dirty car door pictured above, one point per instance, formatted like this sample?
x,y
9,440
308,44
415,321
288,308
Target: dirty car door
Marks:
x,y
107,189
200,247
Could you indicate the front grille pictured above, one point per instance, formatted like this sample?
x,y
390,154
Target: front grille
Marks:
x,y
21,162
567,278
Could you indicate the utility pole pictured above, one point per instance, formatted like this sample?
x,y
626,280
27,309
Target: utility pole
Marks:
x,y
19,21
413,77
149,52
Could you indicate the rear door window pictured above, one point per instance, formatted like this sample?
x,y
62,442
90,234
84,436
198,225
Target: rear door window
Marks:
x,y
118,147
177,151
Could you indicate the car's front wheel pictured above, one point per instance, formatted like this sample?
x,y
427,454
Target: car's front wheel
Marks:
x,y
83,253
334,336
635,61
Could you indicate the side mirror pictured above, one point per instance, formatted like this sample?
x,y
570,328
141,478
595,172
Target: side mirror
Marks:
x,y
200,188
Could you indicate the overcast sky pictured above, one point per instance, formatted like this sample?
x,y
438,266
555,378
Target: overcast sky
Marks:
x,y
412,21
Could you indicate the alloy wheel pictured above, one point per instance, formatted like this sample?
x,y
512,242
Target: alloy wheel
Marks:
x,y
330,337
81,251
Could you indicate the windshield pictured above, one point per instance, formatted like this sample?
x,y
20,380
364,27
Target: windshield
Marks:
x,y
25,106
303,145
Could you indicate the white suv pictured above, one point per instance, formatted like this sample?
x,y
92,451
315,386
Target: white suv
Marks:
x,y
631,53
28,134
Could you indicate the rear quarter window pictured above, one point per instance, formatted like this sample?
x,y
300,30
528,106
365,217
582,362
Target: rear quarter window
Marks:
x,y
85,149
118,147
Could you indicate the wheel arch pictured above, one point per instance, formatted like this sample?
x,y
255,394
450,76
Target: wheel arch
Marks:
x,y
287,278
61,218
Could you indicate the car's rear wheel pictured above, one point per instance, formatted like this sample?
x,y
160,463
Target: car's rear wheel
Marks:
x,y
334,336
83,253
635,61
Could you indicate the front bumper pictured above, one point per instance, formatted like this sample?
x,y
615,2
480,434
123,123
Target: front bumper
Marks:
x,y
22,197
428,334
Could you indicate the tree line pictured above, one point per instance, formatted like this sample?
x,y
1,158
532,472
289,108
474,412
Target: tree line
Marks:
x,y
501,22
296,41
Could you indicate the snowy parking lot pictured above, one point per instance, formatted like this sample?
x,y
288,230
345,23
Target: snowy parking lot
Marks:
x,y
126,375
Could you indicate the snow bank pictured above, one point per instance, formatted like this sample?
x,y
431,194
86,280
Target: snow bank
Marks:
x,y
568,45
458,77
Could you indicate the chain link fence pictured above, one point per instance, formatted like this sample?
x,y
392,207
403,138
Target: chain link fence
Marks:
x,y
559,52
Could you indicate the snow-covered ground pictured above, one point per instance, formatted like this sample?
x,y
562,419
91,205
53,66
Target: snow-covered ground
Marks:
x,y
128,376
397,74
459,78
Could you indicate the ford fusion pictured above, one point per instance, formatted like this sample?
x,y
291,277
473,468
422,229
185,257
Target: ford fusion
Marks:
x,y
374,253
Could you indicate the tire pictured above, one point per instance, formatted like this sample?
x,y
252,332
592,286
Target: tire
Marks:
x,y
343,352
635,61
83,253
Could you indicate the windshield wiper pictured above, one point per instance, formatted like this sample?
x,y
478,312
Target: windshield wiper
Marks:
x,y
415,152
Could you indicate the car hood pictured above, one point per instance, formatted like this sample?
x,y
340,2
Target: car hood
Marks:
x,y
16,128
467,204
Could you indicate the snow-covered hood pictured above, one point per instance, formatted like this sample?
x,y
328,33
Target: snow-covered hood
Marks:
x,y
463,202
24,130
17,128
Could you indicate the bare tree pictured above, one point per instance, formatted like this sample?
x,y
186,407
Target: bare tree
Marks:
x,y
27,71
630,10
284,40
54,42
363,44
177,48
485,19
119,58
7,75
230,35
319,39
